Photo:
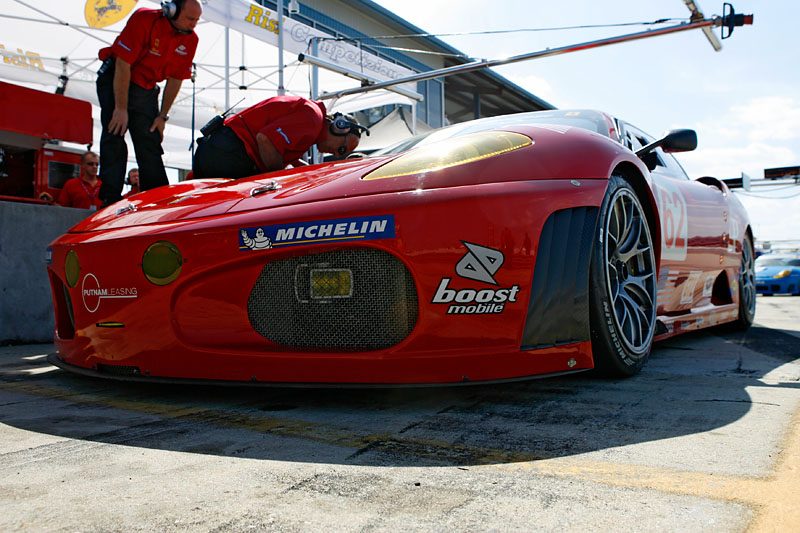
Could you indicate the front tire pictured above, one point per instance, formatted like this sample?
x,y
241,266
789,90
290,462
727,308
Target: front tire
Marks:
x,y
622,283
747,287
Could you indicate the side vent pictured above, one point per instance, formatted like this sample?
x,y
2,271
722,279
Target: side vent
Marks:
x,y
558,311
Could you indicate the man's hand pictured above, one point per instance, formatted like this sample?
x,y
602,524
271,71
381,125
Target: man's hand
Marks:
x,y
118,124
158,124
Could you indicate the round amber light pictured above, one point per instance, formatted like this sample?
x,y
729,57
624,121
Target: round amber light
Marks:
x,y
72,268
162,263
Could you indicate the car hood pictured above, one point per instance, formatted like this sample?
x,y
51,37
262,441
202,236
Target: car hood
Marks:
x,y
770,271
194,199
550,155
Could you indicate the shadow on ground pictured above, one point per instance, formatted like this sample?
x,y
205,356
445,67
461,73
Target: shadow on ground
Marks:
x,y
694,383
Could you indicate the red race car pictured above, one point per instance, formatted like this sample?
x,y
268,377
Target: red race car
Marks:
x,y
503,248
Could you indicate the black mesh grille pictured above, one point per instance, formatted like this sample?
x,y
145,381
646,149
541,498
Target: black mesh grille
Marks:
x,y
118,370
65,320
381,311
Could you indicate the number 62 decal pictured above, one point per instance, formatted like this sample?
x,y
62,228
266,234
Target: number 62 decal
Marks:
x,y
674,221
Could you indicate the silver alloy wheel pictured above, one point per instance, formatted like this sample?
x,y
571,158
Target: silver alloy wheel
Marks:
x,y
630,271
747,277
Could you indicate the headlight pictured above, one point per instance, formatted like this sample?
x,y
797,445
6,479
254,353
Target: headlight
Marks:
x,y
72,268
162,263
452,152
782,274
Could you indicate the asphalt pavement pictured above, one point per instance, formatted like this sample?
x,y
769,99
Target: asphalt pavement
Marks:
x,y
706,438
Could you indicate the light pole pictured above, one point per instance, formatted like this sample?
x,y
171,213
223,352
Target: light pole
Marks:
x,y
281,88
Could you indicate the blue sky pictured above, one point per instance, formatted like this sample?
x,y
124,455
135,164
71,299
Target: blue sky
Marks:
x,y
744,101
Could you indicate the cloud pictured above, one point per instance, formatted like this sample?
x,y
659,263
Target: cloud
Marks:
x,y
771,117
760,119
732,160
535,85
749,137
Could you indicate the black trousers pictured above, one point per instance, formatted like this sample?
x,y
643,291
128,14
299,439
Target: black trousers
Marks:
x,y
142,111
221,154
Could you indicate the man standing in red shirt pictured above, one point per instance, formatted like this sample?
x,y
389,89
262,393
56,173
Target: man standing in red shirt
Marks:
x,y
271,135
155,45
83,192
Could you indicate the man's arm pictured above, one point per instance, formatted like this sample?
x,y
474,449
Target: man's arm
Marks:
x,y
171,90
64,198
122,81
272,159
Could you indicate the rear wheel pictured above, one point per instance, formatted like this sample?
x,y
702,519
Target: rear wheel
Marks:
x,y
747,287
623,283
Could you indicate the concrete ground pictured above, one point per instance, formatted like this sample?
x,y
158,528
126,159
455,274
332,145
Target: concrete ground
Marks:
x,y
706,438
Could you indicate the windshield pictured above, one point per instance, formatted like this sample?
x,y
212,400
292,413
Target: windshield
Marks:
x,y
588,120
777,261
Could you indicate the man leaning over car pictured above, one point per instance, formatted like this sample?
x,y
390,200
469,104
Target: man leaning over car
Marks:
x,y
271,135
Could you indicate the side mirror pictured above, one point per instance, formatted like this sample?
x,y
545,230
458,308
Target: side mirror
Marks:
x,y
674,141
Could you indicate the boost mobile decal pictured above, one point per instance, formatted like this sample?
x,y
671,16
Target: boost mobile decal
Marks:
x,y
480,264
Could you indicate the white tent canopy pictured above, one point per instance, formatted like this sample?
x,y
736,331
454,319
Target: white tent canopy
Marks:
x,y
391,129
40,45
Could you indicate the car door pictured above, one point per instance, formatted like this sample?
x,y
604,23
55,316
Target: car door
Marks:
x,y
694,227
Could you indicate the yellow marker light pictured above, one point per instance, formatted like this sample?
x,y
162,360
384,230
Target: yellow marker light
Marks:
x,y
782,274
329,283
452,152
72,268
162,263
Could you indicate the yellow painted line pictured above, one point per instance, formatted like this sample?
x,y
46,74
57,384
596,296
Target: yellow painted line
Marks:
x,y
774,498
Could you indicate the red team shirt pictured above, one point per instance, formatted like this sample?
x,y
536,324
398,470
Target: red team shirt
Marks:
x,y
78,193
154,48
293,124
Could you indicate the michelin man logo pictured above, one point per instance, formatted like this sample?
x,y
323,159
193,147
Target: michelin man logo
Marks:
x,y
259,242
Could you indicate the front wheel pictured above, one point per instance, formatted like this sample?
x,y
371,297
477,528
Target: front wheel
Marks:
x,y
623,283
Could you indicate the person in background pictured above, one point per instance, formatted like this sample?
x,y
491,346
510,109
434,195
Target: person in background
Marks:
x,y
83,192
271,135
133,181
155,45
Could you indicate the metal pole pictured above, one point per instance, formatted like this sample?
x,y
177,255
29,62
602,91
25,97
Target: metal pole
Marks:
x,y
227,67
281,88
477,65
315,158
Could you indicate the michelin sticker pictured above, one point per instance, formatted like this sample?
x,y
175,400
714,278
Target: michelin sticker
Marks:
x,y
479,264
337,230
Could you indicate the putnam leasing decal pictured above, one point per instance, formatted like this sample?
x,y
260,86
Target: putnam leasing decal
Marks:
x,y
92,293
337,230
480,264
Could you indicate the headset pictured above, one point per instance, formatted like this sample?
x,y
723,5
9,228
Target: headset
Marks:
x,y
172,9
342,125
